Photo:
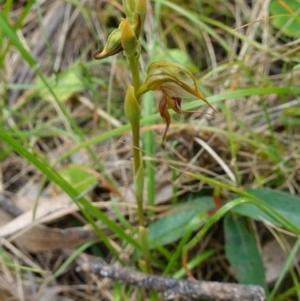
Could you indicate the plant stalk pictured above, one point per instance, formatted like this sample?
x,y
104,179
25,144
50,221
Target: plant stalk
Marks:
x,y
133,63
138,166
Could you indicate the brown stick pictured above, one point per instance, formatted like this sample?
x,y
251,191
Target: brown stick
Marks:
x,y
194,290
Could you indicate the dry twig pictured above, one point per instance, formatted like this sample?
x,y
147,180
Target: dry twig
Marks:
x,y
194,290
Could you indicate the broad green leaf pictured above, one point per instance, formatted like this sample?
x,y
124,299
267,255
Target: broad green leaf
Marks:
x,y
284,20
286,204
172,226
79,177
65,85
242,252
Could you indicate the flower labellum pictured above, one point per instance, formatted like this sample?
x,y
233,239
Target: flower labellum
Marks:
x,y
175,82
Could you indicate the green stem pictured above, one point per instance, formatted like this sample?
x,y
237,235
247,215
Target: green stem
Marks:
x,y
134,67
138,165
136,147
133,63
143,233
138,177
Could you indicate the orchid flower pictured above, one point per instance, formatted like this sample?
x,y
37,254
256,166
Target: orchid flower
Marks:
x,y
175,82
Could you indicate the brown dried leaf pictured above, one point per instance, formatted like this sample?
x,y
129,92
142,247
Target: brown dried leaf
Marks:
x,y
4,217
164,194
42,238
274,258
51,294
48,210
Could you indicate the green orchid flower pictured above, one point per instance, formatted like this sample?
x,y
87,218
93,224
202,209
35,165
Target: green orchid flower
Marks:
x,y
175,82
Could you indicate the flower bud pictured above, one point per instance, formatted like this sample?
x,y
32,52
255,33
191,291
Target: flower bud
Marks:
x,y
129,7
132,108
141,10
113,44
129,40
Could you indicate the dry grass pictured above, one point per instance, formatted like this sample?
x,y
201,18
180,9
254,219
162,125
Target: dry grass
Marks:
x,y
252,141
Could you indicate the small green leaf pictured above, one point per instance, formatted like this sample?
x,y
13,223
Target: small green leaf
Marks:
x,y
286,204
291,116
283,20
132,108
172,226
79,178
242,252
297,67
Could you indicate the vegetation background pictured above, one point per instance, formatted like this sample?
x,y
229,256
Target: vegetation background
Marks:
x,y
65,148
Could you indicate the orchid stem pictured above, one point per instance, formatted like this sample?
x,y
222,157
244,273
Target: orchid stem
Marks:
x,y
136,148
133,63
134,67
138,166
